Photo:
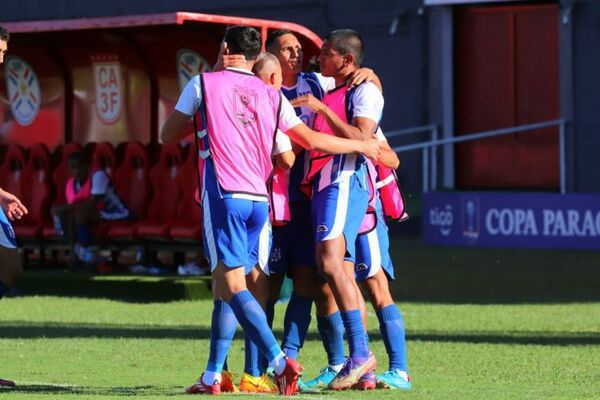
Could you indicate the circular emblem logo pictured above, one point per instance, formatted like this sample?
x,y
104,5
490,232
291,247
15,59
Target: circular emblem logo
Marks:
x,y
23,89
189,64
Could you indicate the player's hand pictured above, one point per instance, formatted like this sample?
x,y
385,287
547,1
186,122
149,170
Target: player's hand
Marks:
x,y
359,76
310,101
225,60
12,206
372,149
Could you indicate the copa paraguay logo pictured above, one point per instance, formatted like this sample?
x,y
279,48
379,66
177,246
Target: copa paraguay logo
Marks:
x,y
23,87
443,218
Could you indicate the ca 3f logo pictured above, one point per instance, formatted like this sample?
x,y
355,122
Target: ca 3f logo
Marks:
x,y
442,218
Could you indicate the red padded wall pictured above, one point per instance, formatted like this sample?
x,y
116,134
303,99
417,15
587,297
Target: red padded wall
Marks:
x,y
506,74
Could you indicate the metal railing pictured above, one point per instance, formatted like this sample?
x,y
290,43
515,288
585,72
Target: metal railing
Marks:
x,y
431,146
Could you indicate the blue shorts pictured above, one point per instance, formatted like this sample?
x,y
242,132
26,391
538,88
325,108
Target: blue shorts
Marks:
x,y
7,234
236,230
294,243
338,209
372,253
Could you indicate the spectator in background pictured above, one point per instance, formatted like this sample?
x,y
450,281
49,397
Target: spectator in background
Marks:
x,y
91,199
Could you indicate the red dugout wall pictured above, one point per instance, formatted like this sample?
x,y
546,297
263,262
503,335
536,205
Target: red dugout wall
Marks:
x,y
506,74
111,79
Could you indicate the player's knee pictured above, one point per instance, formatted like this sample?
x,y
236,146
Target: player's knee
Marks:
x,y
379,293
328,265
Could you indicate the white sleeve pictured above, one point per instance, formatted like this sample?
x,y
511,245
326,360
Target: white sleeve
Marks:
x,y
282,143
380,136
327,83
368,102
287,116
100,183
190,98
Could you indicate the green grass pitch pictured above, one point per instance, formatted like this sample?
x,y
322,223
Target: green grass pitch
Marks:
x,y
82,348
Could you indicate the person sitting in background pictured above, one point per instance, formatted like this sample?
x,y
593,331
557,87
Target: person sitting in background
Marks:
x,y
91,199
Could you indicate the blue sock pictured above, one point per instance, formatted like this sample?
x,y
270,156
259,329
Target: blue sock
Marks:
x,y
254,321
253,361
391,325
295,324
222,330
3,289
331,329
355,333
270,311
83,234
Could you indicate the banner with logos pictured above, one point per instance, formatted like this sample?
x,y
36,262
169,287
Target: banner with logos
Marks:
x,y
523,220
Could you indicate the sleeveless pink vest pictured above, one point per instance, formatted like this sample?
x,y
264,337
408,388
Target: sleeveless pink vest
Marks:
x,y
84,193
336,101
391,194
241,118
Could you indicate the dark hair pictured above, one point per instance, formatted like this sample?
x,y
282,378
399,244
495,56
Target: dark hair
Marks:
x,y
78,157
243,40
4,35
273,36
347,41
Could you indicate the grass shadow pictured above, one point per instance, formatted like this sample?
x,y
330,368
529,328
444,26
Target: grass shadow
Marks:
x,y
28,330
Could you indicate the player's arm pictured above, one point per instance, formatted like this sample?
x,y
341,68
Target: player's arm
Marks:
x,y
315,141
285,160
388,157
12,206
187,105
172,130
364,75
361,128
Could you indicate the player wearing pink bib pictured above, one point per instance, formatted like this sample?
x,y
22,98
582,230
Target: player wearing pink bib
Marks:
x,y
340,190
240,116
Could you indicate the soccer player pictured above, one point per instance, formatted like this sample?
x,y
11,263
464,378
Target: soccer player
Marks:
x,y
373,269
11,207
91,198
341,190
294,249
240,115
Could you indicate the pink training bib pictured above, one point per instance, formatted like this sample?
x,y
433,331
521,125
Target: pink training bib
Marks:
x,y
241,114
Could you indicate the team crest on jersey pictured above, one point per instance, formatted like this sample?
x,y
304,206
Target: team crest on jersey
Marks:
x,y
108,83
244,106
190,63
361,267
23,89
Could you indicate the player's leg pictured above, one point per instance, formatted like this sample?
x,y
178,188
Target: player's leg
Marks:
x,y
255,379
391,325
305,279
231,286
10,265
338,210
331,330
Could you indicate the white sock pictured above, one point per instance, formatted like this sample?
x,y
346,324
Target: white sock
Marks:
x,y
278,363
336,368
209,377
